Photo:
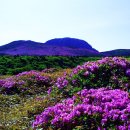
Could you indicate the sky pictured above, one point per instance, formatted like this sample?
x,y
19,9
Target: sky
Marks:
x,y
104,24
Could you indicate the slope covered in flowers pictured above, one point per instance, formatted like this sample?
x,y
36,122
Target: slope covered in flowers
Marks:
x,y
92,96
103,101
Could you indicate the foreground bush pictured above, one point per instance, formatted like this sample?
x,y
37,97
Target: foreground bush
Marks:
x,y
108,72
90,109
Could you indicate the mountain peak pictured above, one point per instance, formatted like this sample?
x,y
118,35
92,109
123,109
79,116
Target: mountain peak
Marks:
x,y
70,42
59,46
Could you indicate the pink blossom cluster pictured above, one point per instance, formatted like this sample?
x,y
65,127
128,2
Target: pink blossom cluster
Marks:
x,y
24,81
114,67
112,107
62,82
93,66
10,82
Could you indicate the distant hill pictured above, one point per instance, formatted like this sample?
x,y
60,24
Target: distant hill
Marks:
x,y
54,47
117,52
57,47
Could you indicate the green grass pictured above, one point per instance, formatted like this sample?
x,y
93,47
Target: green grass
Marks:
x,y
10,65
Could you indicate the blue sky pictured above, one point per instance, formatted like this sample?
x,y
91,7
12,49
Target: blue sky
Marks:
x,y
105,24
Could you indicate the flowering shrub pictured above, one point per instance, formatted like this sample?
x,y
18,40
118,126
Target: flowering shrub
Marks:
x,y
30,82
107,72
90,109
